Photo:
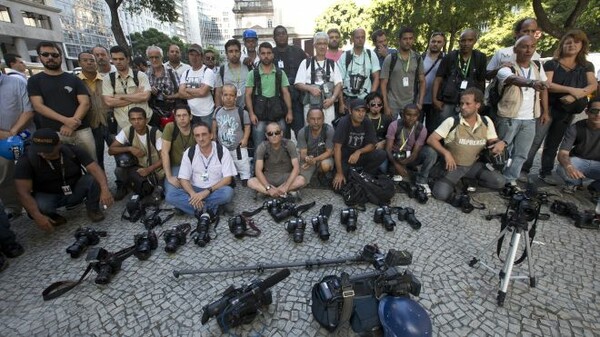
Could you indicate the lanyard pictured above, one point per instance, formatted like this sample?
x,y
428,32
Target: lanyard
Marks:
x,y
124,84
378,123
238,75
364,63
405,140
62,168
407,63
528,73
209,160
464,70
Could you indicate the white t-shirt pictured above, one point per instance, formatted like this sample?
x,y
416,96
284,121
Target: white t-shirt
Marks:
x,y
526,110
303,74
204,171
122,138
504,55
200,106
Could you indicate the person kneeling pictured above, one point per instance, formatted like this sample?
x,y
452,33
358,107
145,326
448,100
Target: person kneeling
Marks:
x,y
205,174
315,143
464,137
277,167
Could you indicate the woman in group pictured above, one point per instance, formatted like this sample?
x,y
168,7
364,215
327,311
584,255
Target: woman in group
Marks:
x,y
380,122
571,79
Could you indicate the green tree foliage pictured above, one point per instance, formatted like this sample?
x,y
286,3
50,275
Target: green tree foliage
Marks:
x,y
344,15
163,10
141,41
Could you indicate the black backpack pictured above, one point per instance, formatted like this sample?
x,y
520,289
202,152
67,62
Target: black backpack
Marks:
x,y
322,136
494,96
361,188
192,151
329,65
113,80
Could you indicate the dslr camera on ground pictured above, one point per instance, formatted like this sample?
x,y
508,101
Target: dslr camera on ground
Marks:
x,y
348,218
84,237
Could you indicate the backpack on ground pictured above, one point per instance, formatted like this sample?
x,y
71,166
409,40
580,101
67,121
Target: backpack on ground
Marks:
x,y
363,187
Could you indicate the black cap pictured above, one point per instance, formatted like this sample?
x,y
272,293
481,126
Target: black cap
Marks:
x,y
358,103
44,141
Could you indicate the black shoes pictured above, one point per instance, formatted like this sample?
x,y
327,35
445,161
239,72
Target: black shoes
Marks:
x,y
12,249
57,218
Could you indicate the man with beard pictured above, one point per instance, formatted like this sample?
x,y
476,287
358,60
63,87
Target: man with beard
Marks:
x,y
459,70
96,116
174,62
402,77
125,89
359,68
288,59
103,60
382,50
431,62
315,144
354,144
196,85
232,72
333,47
249,55
61,100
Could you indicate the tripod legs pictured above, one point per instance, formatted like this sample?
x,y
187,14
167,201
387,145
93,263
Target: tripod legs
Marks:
x,y
505,274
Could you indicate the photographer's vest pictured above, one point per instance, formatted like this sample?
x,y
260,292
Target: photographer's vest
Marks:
x,y
465,143
98,111
512,96
150,147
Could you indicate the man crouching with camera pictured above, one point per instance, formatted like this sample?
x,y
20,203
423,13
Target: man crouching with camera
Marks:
x,y
205,175
464,137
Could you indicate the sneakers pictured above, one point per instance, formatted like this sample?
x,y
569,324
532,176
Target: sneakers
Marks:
x,y
397,178
121,192
426,189
12,249
95,215
514,187
548,180
570,189
57,218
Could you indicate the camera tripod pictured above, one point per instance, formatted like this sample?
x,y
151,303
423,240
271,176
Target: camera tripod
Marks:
x,y
519,226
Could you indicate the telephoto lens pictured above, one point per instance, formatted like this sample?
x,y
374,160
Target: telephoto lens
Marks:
x,y
105,272
411,219
348,218
201,237
320,225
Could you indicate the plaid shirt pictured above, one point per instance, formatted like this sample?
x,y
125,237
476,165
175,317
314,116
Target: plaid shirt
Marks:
x,y
169,84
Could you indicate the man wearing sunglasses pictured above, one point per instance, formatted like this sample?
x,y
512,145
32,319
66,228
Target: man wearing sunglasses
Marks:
x,y
210,60
277,166
61,100
579,155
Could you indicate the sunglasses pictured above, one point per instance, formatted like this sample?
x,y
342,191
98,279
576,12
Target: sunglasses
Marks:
x,y
594,111
271,134
210,58
46,54
376,104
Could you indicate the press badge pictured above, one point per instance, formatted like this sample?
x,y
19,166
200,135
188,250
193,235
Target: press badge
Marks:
x,y
463,85
239,93
280,64
66,190
205,176
405,81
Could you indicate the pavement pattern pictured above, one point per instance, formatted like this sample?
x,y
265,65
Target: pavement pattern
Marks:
x,y
145,299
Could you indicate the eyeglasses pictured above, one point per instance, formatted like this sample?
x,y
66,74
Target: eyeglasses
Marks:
x,y
54,55
271,134
376,105
209,58
594,111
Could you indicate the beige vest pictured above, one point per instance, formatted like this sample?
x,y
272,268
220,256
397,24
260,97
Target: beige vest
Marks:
x,y
511,101
154,154
467,143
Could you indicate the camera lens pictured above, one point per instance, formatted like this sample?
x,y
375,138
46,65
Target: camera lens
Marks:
x,y
104,274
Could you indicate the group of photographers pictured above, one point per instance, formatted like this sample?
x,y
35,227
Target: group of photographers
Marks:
x,y
196,152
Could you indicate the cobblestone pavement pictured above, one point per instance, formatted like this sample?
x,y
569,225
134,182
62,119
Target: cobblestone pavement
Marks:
x,y
145,299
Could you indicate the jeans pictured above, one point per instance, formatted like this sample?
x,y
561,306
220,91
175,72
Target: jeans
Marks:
x,y
6,235
258,131
370,161
181,199
519,134
444,187
170,189
86,188
589,168
83,138
427,158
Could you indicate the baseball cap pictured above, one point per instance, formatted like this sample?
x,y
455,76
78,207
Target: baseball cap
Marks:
x,y
44,141
195,47
358,103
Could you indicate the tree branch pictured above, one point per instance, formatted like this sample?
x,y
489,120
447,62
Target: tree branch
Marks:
x,y
576,13
544,22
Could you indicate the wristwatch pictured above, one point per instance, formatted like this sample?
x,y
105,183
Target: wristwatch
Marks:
x,y
268,187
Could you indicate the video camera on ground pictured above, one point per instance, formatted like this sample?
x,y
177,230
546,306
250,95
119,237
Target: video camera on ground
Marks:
x,y
84,237
348,218
241,305
463,201
107,264
145,243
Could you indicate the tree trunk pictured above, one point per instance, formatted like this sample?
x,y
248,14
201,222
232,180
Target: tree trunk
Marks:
x,y
553,29
115,24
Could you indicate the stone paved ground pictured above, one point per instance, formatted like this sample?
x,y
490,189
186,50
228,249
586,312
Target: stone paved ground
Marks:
x,y
144,299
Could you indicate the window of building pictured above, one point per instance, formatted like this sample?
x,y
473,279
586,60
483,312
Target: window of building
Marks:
x,y
270,23
5,14
36,20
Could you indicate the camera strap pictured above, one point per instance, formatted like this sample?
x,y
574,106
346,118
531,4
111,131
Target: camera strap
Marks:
x,y
59,288
250,222
348,298
252,213
298,210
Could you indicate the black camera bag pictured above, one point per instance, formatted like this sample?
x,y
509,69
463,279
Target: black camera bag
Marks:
x,y
270,109
363,187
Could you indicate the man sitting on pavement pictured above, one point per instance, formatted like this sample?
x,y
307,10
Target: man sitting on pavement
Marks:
x,y
277,167
50,176
464,138
404,141
144,143
315,143
354,144
205,175
578,154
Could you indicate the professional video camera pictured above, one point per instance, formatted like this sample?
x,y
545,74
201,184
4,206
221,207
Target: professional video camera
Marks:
x,y
107,264
176,236
348,218
200,235
145,243
320,222
84,237
241,305
408,214
336,299
296,227
414,191
383,215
